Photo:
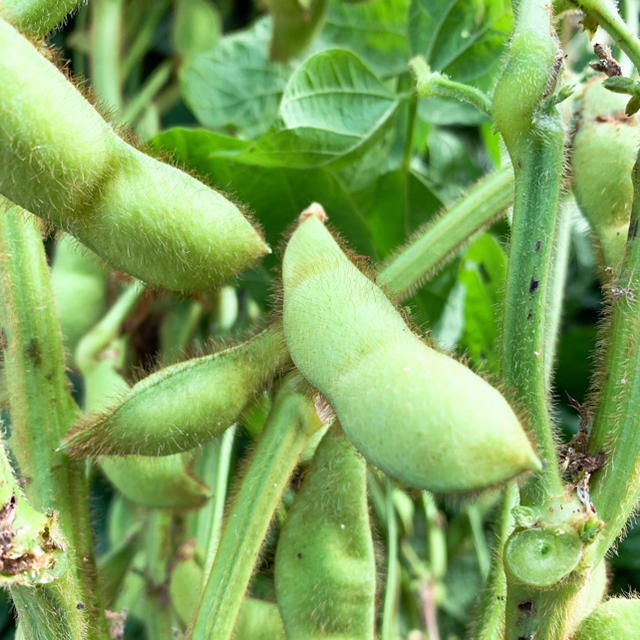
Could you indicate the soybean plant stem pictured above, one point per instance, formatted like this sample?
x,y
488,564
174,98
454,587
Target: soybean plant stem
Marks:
x,y
491,620
389,612
529,283
42,409
616,428
432,245
290,424
605,13
106,37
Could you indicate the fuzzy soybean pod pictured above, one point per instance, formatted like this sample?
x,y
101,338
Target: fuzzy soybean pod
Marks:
x,y
618,618
80,284
605,146
325,571
62,161
36,17
184,405
416,413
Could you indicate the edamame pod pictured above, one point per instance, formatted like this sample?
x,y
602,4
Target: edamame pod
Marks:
x,y
184,405
36,17
618,618
605,147
139,214
416,413
325,570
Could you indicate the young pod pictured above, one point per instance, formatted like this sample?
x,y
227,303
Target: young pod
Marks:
x,y
79,283
605,147
184,405
60,160
416,413
618,618
325,572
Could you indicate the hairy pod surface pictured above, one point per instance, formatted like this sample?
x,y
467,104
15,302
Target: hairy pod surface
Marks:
x,y
416,413
605,147
325,570
139,214
618,618
158,481
36,17
184,405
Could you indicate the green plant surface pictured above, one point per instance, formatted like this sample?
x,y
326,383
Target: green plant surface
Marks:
x,y
225,419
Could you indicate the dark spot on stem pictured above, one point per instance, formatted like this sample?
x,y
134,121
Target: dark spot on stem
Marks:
x,y
299,556
533,285
3,339
527,607
80,606
538,245
529,315
484,274
519,164
33,351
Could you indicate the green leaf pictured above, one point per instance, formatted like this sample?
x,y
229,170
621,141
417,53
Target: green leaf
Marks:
x,y
463,39
376,31
333,109
234,85
275,195
483,271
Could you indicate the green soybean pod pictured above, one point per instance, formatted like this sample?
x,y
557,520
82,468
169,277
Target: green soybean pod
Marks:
x,y
604,150
80,284
60,160
416,413
36,17
258,620
325,572
184,405
615,619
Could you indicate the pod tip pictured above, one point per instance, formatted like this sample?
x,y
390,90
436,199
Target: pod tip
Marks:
x,y
314,209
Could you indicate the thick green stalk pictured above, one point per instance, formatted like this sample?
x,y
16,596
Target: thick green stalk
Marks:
x,y
605,13
292,421
490,623
411,265
35,18
42,409
106,36
391,594
616,427
535,144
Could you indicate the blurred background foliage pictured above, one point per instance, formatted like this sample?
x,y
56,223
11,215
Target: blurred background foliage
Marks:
x,y
238,101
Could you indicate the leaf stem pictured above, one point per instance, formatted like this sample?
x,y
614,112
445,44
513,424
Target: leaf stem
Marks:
x,y
290,424
42,409
389,612
605,13
431,84
432,245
